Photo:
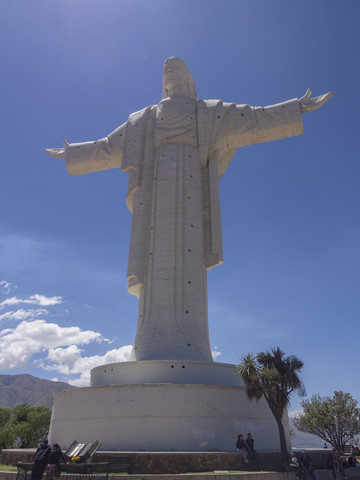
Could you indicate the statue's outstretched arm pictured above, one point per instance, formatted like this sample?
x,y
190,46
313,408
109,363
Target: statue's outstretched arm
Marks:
x,y
88,157
58,152
308,104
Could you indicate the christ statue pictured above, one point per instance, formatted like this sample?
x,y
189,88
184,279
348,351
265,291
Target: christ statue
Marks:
x,y
175,153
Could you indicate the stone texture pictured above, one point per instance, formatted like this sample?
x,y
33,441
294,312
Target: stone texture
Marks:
x,y
183,463
175,463
211,476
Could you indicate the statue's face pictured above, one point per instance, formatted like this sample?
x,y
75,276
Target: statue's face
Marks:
x,y
175,73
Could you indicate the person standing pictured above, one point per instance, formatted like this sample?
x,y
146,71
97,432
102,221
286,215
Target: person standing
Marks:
x,y
40,460
53,466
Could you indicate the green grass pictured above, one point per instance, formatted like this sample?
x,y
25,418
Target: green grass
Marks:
x,y
7,468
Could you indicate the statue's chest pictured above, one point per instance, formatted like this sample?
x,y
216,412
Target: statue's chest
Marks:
x,y
175,121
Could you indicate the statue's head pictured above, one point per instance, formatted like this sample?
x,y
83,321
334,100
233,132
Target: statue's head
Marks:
x,y
176,72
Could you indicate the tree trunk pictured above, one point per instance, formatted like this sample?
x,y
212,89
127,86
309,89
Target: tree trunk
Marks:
x,y
283,446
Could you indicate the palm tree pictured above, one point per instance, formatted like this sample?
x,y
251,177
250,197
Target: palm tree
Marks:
x,y
276,377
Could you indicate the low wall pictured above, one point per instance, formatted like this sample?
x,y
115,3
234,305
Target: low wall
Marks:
x,y
175,462
325,475
318,457
211,476
171,463
8,475
352,473
181,462
14,455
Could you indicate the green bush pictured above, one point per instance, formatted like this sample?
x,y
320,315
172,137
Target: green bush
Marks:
x,y
23,426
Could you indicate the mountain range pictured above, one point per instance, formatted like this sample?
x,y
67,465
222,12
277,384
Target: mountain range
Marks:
x,y
15,389
302,439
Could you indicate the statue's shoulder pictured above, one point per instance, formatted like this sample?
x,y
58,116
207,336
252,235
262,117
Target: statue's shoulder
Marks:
x,y
141,114
208,104
206,109
212,106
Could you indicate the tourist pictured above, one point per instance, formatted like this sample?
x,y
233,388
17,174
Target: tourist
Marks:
x,y
306,467
330,461
354,461
249,442
293,461
40,460
241,447
53,467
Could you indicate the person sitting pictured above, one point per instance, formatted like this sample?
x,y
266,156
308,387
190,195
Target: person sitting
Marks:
x,y
241,447
306,467
354,461
330,462
249,442
293,461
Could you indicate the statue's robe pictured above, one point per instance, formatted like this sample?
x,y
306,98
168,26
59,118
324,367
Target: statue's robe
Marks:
x,y
175,153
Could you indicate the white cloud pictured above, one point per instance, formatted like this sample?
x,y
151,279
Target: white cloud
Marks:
x,y
69,361
36,299
295,413
33,341
22,314
44,301
58,347
19,344
5,286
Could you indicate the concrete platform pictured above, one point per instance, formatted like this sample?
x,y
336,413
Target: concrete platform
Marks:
x,y
163,406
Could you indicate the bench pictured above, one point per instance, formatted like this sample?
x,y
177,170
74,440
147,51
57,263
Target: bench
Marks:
x,y
70,471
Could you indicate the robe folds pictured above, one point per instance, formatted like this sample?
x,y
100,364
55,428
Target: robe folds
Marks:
x,y
173,194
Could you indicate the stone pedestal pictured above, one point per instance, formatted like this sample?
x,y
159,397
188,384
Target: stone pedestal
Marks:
x,y
163,406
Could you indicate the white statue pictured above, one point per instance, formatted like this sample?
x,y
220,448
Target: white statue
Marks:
x,y
175,152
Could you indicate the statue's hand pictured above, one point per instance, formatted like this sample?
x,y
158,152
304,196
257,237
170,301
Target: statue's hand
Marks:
x,y
58,152
308,104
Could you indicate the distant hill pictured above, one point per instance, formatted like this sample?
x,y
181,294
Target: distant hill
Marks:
x,y
304,440
15,389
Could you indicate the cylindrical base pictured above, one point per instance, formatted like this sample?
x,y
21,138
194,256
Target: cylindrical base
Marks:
x,y
163,417
165,371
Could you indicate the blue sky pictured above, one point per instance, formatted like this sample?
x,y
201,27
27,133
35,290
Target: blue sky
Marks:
x,y
76,69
